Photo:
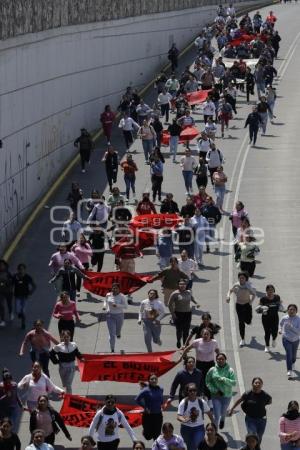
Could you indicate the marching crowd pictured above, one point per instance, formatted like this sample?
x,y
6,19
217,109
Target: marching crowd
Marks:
x,y
206,383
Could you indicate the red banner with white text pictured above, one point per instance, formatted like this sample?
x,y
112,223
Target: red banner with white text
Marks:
x,y
156,221
129,368
100,283
78,411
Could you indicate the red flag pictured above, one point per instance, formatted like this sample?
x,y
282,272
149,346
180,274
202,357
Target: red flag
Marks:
x,y
188,134
139,241
100,283
195,98
78,411
130,368
156,221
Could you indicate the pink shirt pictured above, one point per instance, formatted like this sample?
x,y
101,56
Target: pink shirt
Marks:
x,y
83,252
287,426
237,217
65,312
205,350
57,260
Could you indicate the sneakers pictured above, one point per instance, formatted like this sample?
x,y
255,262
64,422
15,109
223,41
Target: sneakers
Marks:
x,y
242,342
222,423
274,343
289,374
2,324
267,349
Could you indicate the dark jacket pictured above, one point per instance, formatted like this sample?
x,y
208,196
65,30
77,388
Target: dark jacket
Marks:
x,y
169,207
57,422
85,142
211,213
111,162
182,378
253,120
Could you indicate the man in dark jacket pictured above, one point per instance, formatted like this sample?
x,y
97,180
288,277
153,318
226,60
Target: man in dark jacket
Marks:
x,y
168,205
188,375
85,143
253,120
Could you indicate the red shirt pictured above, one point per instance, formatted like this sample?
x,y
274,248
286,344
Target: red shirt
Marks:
x,y
65,312
107,118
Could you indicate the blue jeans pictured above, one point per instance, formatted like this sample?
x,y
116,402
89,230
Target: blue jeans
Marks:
x,y
256,426
20,305
173,146
130,183
264,121
151,332
220,406
290,352
289,446
188,179
147,147
220,193
192,436
260,88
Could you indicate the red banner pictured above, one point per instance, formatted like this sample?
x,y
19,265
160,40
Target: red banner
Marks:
x,y
134,244
246,38
79,411
156,221
130,368
100,283
187,134
195,98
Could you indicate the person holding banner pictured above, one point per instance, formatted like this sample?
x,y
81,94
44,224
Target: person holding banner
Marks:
x,y
114,305
151,399
151,312
105,425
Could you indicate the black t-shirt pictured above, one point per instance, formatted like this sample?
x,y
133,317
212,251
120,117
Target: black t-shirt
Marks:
x,y
12,443
22,285
198,329
254,405
272,304
185,234
219,445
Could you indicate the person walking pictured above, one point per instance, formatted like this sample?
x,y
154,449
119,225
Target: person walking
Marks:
x,y
263,110
188,266
269,306
85,144
64,354
23,288
38,340
245,295
151,399
38,441
190,414
201,230
156,171
148,136
105,425
220,180
164,247
188,165
45,418
201,173
6,292
173,54
163,100
220,380
114,305
253,404
10,403
189,374
130,168
107,119
64,311
250,83
150,314
181,311
174,129
111,160
224,114
289,328
9,440
289,427
214,159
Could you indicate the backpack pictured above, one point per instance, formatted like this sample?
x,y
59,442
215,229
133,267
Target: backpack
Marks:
x,y
200,402
101,418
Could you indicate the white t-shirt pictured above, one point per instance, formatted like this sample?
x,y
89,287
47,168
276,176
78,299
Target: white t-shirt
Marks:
x,y
193,409
205,350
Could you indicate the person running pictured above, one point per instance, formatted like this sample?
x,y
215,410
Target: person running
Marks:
x,y
289,328
201,229
130,168
37,383
97,241
170,277
39,341
245,295
214,159
206,350
269,306
220,380
128,126
188,164
237,215
151,312
6,292
64,354
38,441
57,259
156,171
107,119
247,252
105,425
65,310
111,160
212,439
85,144
206,323
252,442
174,129
168,440
45,418
151,399
10,402
23,288
289,427
114,305
253,404
219,181
254,121
148,136
190,414
189,374
188,266
181,311
263,110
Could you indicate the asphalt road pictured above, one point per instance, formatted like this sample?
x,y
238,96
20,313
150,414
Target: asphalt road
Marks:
x,y
266,179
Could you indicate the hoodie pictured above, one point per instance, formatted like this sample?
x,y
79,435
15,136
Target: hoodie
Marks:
x,y
220,379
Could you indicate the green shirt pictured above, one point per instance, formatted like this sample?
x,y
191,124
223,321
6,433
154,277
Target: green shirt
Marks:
x,y
220,379
171,277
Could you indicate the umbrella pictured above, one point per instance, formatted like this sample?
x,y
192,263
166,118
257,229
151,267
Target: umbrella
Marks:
x,y
188,134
